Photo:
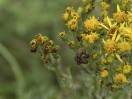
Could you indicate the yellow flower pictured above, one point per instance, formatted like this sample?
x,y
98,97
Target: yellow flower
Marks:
x,y
126,68
124,46
65,16
95,56
41,39
104,73
104,5
92,24
120,78
33,45
79,11
71,44
33,42
73,24
104,13
110,46
75,15
112,28
120,16
89,8
114,86
119,68
110,59
69,9
62,35
90,38
95,36
127,32
105,21
103,61
51,42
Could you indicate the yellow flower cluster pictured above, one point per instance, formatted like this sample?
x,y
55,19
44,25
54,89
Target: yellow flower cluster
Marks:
x,y
44,46
117,46
111,39
71,18
104,43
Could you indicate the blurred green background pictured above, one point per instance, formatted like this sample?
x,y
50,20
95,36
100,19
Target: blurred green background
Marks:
x,y
20,70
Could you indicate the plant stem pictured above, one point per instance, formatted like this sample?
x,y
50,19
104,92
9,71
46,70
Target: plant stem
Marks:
x,y
15,68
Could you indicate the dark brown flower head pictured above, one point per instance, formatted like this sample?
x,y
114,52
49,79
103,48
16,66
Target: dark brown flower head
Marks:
x,y
81,57
112,30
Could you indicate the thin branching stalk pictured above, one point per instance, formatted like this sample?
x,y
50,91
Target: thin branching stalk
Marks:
x,y
15,68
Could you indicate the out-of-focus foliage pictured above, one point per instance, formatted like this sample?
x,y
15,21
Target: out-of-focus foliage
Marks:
x,y
19,21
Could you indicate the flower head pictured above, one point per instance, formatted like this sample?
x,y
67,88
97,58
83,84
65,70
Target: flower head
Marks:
x,y
75,15
90,38
33,45
104,5
119,68
72,24
41,39
110,59
95,55
89,8
104,73
126,68
120,16
120,78
110,46
71,44
69,9
62,35
92,24
65,16
124,46
127,32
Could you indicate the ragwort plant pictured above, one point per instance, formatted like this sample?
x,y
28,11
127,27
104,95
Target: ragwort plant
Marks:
x,y
103,51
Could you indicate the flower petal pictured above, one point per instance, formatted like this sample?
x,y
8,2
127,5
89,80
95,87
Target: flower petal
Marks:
x,y
118,37
104,26
114,36
108,19
118,8
118,56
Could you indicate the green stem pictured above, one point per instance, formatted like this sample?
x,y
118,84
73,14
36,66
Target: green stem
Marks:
x,y
15,68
